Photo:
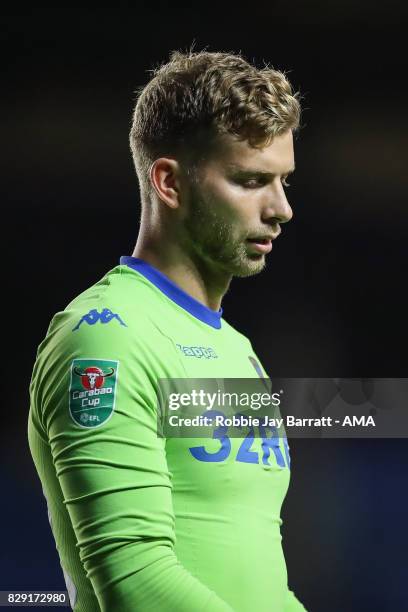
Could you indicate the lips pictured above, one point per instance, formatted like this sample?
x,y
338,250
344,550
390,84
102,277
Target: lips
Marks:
x,y
262,244
260,239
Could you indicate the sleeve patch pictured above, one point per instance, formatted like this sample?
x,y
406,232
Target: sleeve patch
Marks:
x,y
92,391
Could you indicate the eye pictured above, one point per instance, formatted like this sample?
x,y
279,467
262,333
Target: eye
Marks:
x,y
285,183
251,183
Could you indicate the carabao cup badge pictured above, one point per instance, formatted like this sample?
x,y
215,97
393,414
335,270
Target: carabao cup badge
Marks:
x,y
92,392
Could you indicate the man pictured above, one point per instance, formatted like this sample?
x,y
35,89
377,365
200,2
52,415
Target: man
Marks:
x,y
144,523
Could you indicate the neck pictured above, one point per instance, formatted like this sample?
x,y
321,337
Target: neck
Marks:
x,y
189,272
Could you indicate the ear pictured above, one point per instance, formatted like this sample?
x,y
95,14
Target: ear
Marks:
x,y
165,178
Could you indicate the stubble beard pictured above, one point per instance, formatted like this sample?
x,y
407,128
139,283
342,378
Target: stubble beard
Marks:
x,y
214,241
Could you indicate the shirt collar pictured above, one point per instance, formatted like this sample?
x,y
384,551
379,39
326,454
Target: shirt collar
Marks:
x,y
174,292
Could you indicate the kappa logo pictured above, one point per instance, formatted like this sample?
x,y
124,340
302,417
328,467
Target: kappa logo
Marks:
x,y
92,391
198,351
93,316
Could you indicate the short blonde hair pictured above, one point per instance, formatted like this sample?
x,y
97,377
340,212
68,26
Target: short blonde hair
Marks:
x,y
196,96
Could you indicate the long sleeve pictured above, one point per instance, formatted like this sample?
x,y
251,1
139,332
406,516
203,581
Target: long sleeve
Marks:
x,y
113,473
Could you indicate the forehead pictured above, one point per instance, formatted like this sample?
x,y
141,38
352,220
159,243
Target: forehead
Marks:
x,y
277,157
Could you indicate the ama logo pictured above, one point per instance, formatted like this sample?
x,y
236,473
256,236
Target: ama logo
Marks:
x,y
92,391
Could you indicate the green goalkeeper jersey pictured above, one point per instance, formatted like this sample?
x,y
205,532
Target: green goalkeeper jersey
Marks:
x,y
144,523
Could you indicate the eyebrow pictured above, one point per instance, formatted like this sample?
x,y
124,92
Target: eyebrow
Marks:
x,y
257,172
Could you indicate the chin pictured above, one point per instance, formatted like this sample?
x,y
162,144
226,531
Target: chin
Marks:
x,y
250,267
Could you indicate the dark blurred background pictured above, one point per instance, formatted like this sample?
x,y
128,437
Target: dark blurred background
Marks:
x,y
332,302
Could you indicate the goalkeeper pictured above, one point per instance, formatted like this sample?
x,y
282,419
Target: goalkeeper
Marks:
x,y
142,522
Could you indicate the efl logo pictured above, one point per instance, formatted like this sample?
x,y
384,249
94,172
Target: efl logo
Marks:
x,y
92,391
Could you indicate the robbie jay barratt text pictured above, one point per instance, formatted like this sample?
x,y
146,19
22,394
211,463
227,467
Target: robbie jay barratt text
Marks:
x,y
238,420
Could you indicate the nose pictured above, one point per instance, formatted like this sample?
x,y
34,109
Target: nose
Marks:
x,y
278,208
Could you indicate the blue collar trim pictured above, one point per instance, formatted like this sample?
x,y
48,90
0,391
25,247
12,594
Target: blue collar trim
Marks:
x,y
174,292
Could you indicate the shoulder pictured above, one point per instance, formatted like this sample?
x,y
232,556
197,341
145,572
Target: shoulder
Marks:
x,y
118,304
105,329
234,335
110,318
242,341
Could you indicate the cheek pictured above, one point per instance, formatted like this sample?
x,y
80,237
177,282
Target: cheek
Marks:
x,y
232,205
